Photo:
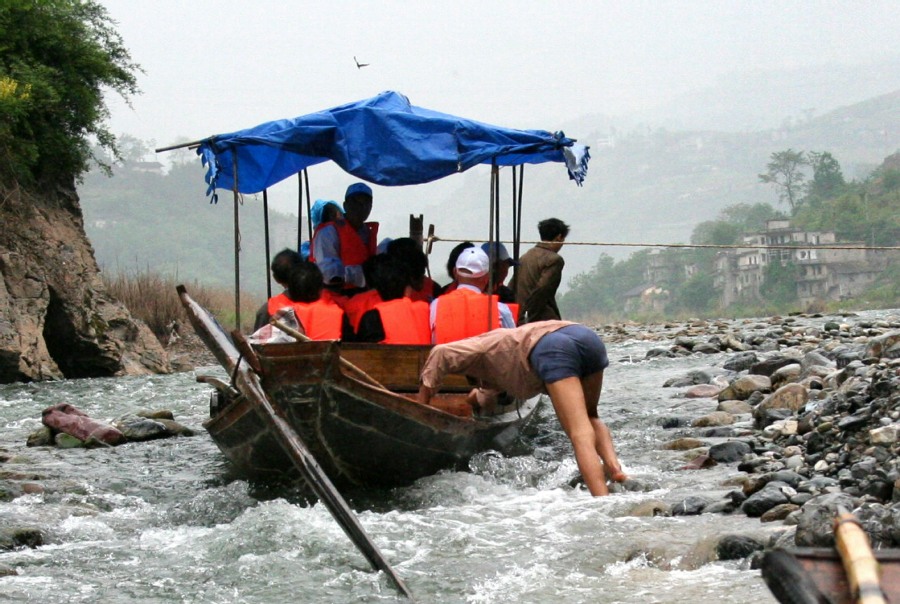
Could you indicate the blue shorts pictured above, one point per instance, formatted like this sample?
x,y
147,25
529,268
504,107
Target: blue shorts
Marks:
x,y
573,351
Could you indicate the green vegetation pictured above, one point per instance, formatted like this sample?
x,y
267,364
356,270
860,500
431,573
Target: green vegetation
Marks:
x,y
866,211
139,221
56,59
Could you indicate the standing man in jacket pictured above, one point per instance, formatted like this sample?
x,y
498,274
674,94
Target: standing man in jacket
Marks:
x,y
539,274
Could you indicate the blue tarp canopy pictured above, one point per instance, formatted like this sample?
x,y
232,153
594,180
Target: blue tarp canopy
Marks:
x,y
383,140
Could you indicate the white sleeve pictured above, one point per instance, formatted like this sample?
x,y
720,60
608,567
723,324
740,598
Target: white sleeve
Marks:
x,y
326,249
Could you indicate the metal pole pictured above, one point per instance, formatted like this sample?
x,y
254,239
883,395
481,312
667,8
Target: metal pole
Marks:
x,y
268,251
237,244
309,227
299,209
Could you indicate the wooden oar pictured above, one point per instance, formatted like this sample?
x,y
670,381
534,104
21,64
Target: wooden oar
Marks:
x,y
859,562
309,468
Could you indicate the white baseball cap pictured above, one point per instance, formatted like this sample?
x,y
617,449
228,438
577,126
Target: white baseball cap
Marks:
x,y
474,262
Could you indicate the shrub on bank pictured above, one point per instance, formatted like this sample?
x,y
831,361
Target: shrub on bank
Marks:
x,y
152,298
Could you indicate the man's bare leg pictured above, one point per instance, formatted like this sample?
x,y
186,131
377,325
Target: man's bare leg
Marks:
x,y
593,385
568,400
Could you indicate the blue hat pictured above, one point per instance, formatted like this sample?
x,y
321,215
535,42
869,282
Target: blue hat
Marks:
x,y
318,209
358,188
500,251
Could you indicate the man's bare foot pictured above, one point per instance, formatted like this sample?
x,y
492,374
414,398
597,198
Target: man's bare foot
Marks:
x,y
618,476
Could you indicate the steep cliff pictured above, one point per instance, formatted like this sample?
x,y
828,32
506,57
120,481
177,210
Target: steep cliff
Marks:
x,y
56,319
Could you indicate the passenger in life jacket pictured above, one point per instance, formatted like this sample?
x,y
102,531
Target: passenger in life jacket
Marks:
x,y
466,312
501,263
319,317
357,305
397,319
408,253
451,265
339,248
282,264
322,212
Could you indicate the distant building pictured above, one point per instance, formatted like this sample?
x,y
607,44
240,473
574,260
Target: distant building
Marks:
x,y
835,272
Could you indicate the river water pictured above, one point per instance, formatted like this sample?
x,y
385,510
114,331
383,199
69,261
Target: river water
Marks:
x,y
166,521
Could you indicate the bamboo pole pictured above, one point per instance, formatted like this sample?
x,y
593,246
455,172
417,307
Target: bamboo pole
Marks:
x,y
863,572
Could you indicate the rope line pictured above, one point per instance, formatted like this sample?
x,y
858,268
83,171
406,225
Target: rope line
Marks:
x,y
736,246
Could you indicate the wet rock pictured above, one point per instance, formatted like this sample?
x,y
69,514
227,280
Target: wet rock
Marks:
x,y
731,451
741,361
814,523
769,366
886,435
734,407
741,388
70,420
42,437
702,391
737,547
718,432
699,462
157,414
690,506
716,418
176,428
67,441
785,375
18,537
140,429
653,507
6,571
779,512
879,346
668,423
764,500
683,444
790,398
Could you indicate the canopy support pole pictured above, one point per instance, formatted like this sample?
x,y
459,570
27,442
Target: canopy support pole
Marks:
x,y
268,250
493,226
517,217
237,245
309,228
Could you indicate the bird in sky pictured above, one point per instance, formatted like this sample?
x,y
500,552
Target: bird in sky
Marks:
x,y
358,64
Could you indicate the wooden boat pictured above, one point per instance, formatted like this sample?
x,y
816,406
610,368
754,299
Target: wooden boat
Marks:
x,y
352,404
806,573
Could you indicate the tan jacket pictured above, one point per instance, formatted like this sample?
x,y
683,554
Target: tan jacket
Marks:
x,y
536,280
498,359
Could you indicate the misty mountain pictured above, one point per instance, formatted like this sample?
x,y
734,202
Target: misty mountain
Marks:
x,y
645,185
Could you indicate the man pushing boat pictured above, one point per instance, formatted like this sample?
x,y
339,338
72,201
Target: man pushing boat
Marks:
x,y
562,359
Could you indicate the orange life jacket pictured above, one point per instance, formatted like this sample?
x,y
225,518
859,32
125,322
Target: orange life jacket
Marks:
x,y
321,320
278,302
404,321
514,309
353,250
359,304
426,294
462,314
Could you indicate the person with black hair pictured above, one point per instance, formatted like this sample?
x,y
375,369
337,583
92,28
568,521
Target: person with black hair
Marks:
x,y
451,265
410,256
539,274
396,319
282,264
319,317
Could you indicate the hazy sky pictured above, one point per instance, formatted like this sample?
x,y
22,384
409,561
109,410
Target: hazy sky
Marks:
x,y
219,66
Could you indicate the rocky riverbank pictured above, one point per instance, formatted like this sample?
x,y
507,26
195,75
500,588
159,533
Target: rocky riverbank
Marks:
x,y
806,409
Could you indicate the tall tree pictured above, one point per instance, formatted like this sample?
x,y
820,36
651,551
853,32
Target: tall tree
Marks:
x,y
785,171
827,180
56,59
